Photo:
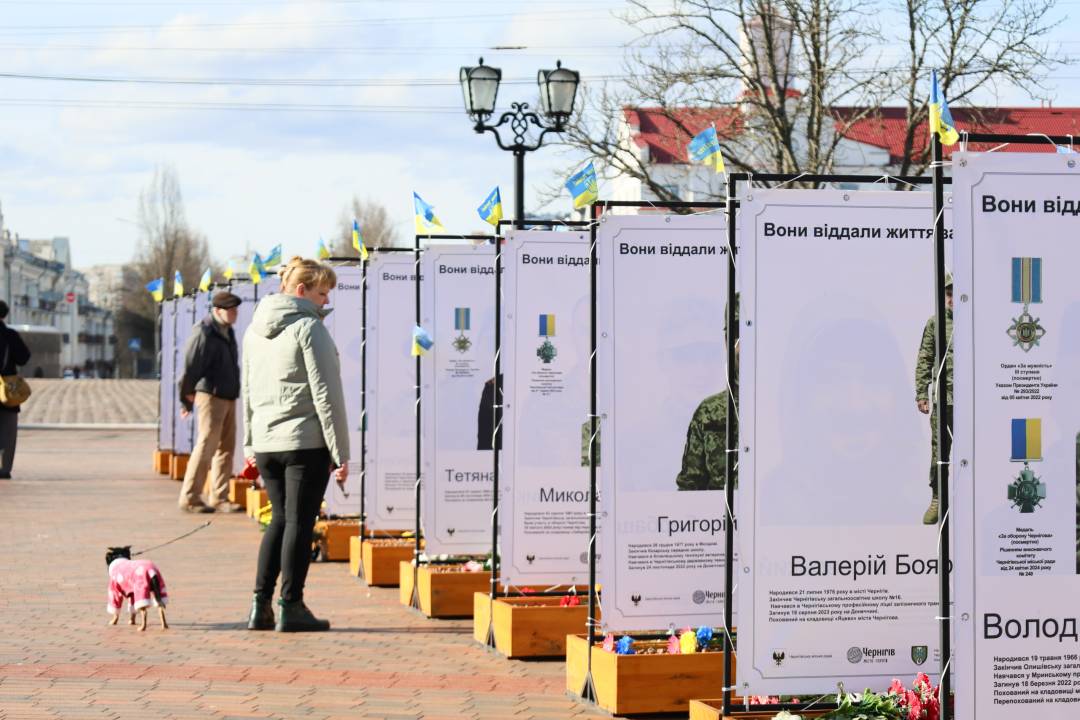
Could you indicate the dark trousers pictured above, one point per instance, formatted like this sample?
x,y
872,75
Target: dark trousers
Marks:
x,y
295,484
9,430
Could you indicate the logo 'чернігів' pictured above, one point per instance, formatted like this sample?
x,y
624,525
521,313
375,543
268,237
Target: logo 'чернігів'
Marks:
x,y
919,654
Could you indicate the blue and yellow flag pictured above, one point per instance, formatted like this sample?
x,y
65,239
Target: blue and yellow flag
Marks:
x,y
462,318
941,121
705,149
547,326
322,252
583,188
156,288
205,280
426,222
273,259
491,209
229,271
358,240
177,285
421,341
256,269
1026,439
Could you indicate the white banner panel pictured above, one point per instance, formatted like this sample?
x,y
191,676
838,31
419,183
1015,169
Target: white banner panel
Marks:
x,y
200,308
661,294
246,292
345,326
1016,512
391,392
838,580
184,436
166,380
458,310
544,486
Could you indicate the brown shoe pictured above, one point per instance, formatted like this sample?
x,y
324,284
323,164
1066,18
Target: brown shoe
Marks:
x,y
199,508
227,507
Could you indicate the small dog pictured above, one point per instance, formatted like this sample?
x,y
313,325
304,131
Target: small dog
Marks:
x,y
139,581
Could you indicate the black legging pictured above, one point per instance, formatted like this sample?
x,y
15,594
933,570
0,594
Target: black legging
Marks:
x,y
295,484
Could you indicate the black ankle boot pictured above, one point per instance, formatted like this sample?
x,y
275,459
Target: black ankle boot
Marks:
x,y
295,617
262,614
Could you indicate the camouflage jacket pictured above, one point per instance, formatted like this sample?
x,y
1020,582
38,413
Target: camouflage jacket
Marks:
x,y
924,367
705,454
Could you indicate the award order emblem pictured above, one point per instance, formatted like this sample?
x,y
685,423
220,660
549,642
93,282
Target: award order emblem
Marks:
x,y
547,352
1026,492
1025,330
462,323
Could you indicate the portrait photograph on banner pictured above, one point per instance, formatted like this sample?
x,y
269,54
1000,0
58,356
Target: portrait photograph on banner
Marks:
x,y
544,468
458,397
391,393
837,515
1017,451
662,399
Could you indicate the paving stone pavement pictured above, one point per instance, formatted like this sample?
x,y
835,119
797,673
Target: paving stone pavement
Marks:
x,y
91,401
75,492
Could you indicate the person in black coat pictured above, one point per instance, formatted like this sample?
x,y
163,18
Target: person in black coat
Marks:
x,y
13,354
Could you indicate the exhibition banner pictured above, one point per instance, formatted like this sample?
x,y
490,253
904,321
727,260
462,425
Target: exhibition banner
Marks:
x,y
1016,508
246,292
838,574
391,392
345,324
166,381
544,464
200,302
662,399
458,378
184,436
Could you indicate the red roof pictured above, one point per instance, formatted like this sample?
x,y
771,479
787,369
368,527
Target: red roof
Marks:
x,y
656,128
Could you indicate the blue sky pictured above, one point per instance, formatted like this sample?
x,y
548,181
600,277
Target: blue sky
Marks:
x,y
74,156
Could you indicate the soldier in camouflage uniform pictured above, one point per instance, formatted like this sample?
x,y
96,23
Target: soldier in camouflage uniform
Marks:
x,y
705,455
924,376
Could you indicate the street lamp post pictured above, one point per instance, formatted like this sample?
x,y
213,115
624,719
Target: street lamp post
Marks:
x,y
558,88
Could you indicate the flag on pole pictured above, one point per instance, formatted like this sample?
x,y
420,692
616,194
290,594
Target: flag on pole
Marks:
x,y
156,288
358,240
273,259
322,252
491,209
582,186
426,222
941,121
705,149
421,341
256,269
205,280
177,285
228,271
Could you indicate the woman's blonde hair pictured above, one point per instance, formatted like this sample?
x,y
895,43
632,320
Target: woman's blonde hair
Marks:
x,y
312,273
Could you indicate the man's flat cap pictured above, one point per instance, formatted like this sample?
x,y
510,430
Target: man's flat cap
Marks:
x,y
225,300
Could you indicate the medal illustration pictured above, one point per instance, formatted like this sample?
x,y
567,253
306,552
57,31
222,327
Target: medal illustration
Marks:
x,y
1026,492
1025,330
462,323
547,352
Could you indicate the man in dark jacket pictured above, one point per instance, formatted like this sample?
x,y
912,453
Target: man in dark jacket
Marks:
x,y
211,383
12,354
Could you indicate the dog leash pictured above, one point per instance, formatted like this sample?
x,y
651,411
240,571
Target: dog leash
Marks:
x,y
187,534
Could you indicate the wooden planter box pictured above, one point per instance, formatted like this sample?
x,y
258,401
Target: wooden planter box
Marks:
x,y
711,710
238,488
442,594
635,684
527,626
333,536
255,499
161,461
379,558
178,466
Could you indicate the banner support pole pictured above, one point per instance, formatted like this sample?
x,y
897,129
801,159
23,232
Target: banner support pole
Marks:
x,y
496,423
363,408
731,442
414,601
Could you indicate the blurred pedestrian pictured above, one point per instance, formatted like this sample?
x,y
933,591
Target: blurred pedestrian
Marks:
x,y
13,353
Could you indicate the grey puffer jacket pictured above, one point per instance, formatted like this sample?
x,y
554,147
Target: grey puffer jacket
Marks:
x,y
291,385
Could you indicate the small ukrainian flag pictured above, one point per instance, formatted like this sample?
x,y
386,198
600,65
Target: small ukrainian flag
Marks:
x,y
583,188
358,240
705,149
426,221
491,210
178,285
421,341
228,271
941,121
205,280
322,252
156,288
274,258
256,269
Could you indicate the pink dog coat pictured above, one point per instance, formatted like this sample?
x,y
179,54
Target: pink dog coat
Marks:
x,y
131,579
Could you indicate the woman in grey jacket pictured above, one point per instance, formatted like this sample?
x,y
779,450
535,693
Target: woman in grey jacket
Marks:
x,y
295,425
